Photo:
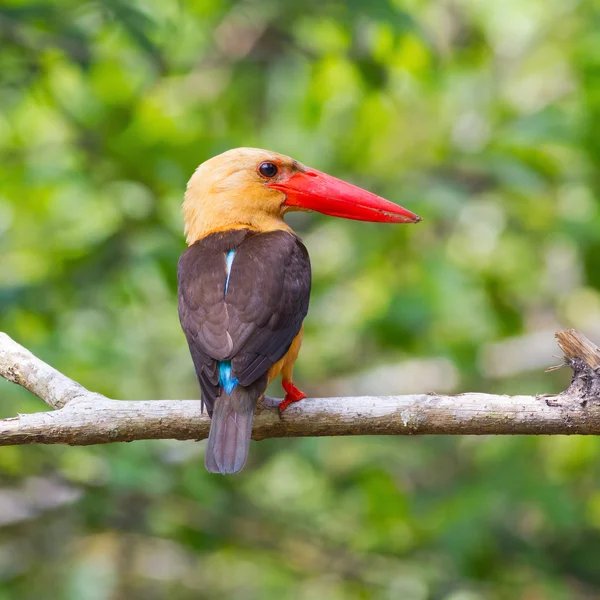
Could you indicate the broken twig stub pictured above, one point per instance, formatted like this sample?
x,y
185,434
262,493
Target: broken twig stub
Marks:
x,y
583,356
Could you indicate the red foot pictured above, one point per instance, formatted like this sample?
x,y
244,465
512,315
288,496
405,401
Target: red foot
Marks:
x,y
292,394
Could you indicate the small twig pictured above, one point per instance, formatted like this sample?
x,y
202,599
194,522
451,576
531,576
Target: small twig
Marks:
x,y
575,345
583,356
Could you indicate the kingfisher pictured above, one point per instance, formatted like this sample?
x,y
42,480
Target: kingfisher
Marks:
x,y
244,281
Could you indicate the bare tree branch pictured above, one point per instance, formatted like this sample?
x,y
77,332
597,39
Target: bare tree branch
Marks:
x,y
83,417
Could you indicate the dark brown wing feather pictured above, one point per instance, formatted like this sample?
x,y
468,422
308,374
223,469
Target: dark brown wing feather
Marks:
x,y
254,324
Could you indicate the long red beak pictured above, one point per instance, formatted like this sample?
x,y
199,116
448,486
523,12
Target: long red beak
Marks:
x,y
318,191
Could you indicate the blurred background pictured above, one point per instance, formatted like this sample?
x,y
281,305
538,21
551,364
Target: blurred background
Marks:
x,y
482,117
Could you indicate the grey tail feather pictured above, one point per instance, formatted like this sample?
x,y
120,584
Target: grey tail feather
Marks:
x,y
230,431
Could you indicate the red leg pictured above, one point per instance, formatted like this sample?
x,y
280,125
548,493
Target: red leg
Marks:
x,y
292,394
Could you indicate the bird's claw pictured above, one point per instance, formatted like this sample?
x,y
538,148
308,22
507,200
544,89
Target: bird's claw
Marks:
x,y
292,394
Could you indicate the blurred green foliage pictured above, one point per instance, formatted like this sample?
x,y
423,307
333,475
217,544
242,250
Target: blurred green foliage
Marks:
x,y
482,117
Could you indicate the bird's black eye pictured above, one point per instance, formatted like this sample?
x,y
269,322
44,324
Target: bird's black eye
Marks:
x,y
268,169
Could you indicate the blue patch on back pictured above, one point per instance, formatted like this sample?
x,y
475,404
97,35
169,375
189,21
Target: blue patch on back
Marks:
x,y
226,381
228,262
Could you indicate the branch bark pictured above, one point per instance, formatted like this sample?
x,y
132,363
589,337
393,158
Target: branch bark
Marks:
x,y
83,417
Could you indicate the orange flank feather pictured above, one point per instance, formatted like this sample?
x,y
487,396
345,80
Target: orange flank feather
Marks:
x,y
285,368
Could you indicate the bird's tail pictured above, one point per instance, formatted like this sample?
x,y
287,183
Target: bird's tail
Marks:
x,y
231,430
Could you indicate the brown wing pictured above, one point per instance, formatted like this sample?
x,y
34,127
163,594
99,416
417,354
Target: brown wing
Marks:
x,y
255,322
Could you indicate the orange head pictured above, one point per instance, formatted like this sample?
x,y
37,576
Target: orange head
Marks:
x,y
248,187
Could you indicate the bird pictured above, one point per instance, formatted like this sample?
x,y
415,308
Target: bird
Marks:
x,y
244,281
